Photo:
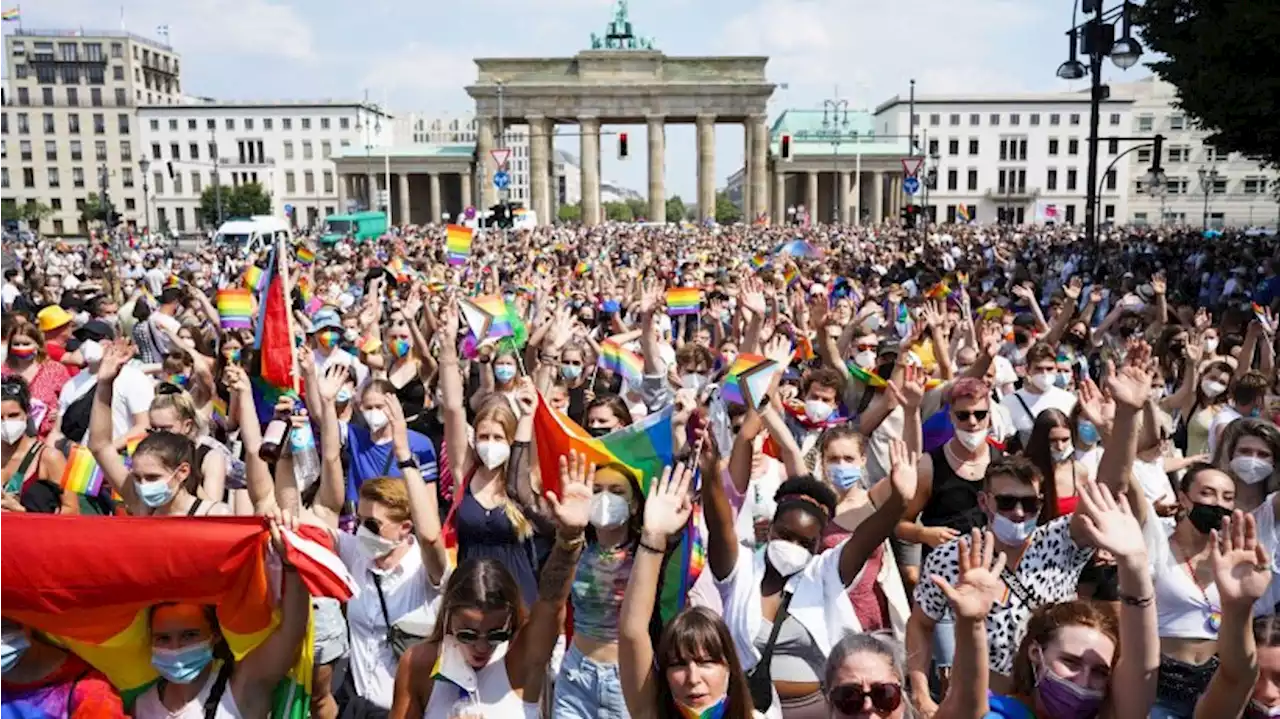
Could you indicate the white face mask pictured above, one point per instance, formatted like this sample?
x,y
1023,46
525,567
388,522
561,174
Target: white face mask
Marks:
x,y
1157,394
1251,470
972,440
374,545
1256,708
1044,380
786,557
1011,532
375,418
11,430
817,410
865,359
608,510
1211,388
1211,345
91,352
493,453
1064,454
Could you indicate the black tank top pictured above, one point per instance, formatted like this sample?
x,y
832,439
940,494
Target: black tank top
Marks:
x,y
954,500
412,396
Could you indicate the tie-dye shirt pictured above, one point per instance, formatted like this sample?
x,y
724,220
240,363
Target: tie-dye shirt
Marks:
x,y
598,587
75,690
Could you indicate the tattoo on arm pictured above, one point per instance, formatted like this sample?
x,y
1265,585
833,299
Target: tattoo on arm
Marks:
x,y
557,574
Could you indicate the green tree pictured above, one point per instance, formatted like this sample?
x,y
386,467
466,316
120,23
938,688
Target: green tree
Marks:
x,y
36,212
1222,58
93,209
569,213
237,201
726,211
618,212
639,208
676,209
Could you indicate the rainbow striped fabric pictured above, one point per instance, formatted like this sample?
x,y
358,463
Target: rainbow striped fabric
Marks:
x,y
683,300
792,276
621,361
759,261
962,213
12,14
487,316
457,244
82,474
939,291
748,380
306,255
869,378
235,308
253,278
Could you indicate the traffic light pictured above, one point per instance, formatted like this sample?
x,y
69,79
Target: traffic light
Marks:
x,y
910,215
784,147
622,145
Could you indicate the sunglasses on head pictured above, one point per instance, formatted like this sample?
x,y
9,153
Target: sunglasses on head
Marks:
x,y
848,698
1006,503
964,414
10,389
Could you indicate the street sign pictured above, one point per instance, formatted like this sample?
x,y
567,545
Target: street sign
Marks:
x,y
288,209
911,165
910,184
500,156
501,179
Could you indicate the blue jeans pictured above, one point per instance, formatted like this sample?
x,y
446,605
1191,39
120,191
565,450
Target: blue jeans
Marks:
x,y
587,689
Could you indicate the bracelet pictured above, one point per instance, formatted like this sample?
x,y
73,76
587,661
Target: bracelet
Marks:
x,y
655,550
570,544
1140,602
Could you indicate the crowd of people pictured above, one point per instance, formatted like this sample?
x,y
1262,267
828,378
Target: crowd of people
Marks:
x,y
993,471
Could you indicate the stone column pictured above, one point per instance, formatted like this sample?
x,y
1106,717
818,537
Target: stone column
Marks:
x,y
657,168
877,197
844,198
811,196
435,196
759,155
342,193
590,156
779,194
484,144
857,199
748,165
466,179
706,125
405,216
539,158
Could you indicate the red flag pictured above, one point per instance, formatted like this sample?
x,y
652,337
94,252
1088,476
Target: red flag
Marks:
x,y
276,346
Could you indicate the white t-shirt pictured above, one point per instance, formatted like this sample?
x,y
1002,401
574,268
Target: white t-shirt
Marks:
x,y
338,356
1053,398
131,394
9,294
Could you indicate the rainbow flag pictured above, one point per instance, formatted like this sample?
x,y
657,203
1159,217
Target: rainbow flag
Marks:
x,y
487,316
457,244
13,14
990,311
748,380
253,278
82,474
683,300
759,261
870,379
939,291
621,361
582,268
235,308
962,213
100,610
792,276
306,256
1260,315
220,408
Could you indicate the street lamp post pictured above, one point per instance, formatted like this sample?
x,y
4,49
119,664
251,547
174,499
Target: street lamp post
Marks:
x,y
144,164
835,122
1096,36
1208,178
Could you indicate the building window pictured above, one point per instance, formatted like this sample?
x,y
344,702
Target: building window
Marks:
x,y
1220,187
126,176
213,152
328,182
77,177
1073,147
48,123
177,183
195,182
994,120
174,151
248,123
915,119
1051,180
288,150
117,73
100,150
953,147
933,147
122,98
306,123
1113,146
1111,179
953,119
1015,119
126,151
99,123
231,123
1177,122
309,182
77,153
344,123
24,150
51,150
24,124
290,182
973,180
1254,185
180,219
306,150
157,181
1146,123
155,125
1053,147
1054,119
210,124
155,151
325,149
953,180
46,96
1004,148
324,123
122,121
1033,119
286,123
1179,154
973,146
28,177
1114,119
1144,155
1071,214
934,119
1071,180
1074,119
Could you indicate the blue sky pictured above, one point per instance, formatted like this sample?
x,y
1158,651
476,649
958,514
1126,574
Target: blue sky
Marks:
x,y
419,54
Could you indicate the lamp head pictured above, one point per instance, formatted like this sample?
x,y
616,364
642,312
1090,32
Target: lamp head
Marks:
x,y
1071,70
1125,53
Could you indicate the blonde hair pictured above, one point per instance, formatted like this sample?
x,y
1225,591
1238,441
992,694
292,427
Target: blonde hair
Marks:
x,y
497,409
184,405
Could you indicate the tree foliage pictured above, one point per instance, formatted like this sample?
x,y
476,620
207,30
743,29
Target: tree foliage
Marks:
x,y
676,210
569,213
726,211
237,201
1222,58
618,212
93,209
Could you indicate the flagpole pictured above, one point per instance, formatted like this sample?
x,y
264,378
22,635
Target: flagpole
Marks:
x,y
282,267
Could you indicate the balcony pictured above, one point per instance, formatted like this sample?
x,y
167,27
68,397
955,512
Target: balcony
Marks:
x,y
1012,193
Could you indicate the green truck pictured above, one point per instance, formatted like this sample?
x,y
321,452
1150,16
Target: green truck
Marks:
x,y
363,226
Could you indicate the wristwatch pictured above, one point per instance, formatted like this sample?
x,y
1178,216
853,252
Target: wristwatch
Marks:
x,y
412,461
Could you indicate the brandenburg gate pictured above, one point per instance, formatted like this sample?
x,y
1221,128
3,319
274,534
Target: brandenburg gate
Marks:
x,y
622,80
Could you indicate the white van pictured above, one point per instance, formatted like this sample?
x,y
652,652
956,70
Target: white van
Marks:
x,y
254,234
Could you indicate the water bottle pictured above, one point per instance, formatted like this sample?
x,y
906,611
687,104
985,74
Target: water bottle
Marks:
x,y
306,461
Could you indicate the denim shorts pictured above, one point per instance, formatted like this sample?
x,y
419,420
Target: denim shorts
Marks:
x,y
587,689
330,630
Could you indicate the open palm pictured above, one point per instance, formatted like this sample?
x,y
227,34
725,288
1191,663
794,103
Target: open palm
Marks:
x,y
573,507
1241,566
668,506
979,585
1108,523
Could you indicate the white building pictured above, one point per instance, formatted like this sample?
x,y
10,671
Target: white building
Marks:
x,y
417,129
285,146
568,177
1240,193
1016,157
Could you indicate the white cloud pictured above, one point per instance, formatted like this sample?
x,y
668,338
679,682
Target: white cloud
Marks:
x,y
425,78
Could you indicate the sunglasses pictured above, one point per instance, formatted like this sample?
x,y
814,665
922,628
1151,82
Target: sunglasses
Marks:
x,y
372,524
491,637
11,389
1006,503
867,347
848,698
964,414
168,388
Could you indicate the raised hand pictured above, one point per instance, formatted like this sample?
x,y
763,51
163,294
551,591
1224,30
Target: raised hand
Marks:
x,y
573,507
1158,284
449,322
779,350
114,357
526,396
978,586
751,296
1095,295
1241,564
278,521
1130,387
1091,400
335,375
651,298
1109,523
399,428
902,470
1072,289
668,506
235,378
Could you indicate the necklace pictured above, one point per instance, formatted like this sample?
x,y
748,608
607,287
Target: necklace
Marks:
x,y
1213,622
965,468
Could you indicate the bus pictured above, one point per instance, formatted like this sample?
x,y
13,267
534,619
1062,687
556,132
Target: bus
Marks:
x,y
363,226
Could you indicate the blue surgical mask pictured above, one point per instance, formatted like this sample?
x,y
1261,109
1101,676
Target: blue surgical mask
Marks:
x,y
1062,380
844,476
570,371
1087,431
182,666
154,494
1011,532
12,646
504,373
344,396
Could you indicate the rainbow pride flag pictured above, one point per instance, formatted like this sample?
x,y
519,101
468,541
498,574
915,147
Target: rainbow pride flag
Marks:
x,y
457,244
99,609
748,380
82,474
683,300
253,278
939,291
1260,315
235,308
306,256
487,316
792,276
869,378
759,261
582,268
219,408
621,361
13,14
962,213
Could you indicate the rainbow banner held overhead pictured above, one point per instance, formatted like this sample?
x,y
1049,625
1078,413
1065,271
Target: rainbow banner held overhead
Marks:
x,y
749,379
82,474
457,244
253,278
13,14
235,308
621,361
486,316
962,213
683,300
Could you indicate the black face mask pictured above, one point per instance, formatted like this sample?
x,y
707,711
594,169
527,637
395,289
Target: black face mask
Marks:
x,y
1207,517
598,431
